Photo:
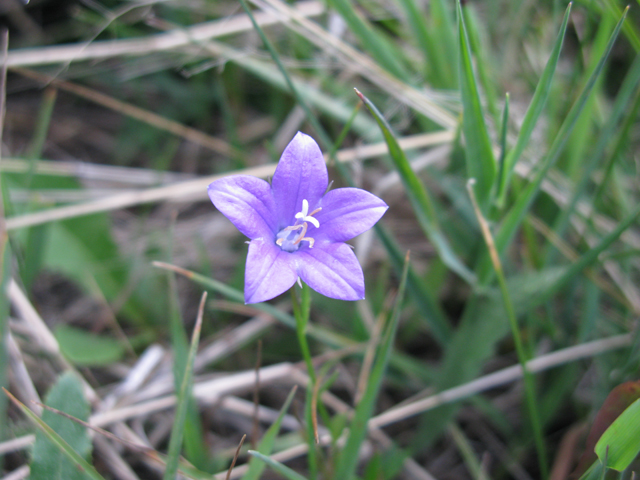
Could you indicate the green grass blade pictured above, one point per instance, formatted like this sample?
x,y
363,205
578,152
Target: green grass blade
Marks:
x,y
618,147
419,197
525,199
382,51
619,446
77,459
535,109
503,141
182,402
277,466
442,23
481,164
348,460
482,64
420,294
624,98
434,35
266,444
630,30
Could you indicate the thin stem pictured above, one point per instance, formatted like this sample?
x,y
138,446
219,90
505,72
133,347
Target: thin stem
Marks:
x,y
301,310
529,386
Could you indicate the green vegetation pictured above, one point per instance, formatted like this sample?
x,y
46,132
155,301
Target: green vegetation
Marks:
x,y
501,284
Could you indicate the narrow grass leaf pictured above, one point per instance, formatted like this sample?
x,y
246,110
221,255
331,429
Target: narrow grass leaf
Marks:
x,y
481,164
619,443
182,401
482,63
348,460
443,28
502,171
535,109
419,197
277,466
418,290
517,213
266,444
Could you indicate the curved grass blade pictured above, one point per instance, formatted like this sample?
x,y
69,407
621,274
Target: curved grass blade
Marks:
x,y
182,402
534,111
266,444
419,197
348,460
277,466
481,163
82,465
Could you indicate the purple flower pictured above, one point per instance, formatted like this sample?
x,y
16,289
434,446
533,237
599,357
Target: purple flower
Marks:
x,y
297,228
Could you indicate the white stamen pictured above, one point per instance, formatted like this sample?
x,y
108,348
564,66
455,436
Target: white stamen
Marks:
x,y
304,214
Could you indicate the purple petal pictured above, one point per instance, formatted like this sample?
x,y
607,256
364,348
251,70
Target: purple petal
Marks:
x,y
247,202
346,213
269,272
300,175
332,269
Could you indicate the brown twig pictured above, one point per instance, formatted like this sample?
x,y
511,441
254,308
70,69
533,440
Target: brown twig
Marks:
x,y
235,457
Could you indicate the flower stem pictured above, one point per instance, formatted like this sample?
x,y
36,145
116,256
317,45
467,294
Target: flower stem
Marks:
x,y
301,310
529,386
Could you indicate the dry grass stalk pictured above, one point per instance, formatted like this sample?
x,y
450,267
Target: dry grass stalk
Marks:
x,y
172,40
196,190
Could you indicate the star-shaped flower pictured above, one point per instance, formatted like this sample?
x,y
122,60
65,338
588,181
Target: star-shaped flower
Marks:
x,y
297,228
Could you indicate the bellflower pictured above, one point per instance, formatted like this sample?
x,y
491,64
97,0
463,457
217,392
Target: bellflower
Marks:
x,y
297,228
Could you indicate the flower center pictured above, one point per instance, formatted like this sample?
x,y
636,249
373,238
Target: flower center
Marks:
x,y
289,238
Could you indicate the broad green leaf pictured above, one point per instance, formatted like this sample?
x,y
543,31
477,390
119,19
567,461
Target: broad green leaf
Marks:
x,y
266,444
481,164
618,400
51,460
620,443
419,197
534,111
88,349
348,460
